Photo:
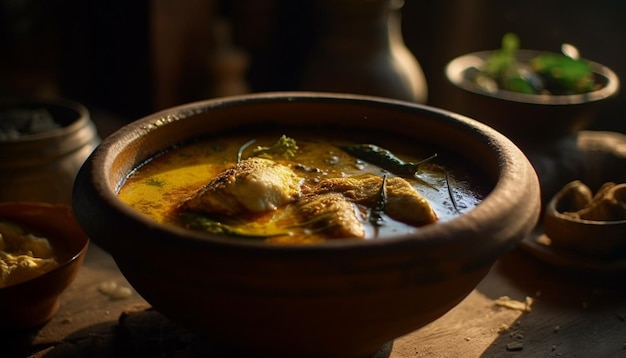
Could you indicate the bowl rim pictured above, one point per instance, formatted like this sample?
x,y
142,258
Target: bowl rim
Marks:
x,y
560,216
510,159
454,73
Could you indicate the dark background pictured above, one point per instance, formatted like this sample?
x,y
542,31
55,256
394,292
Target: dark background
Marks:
x,y
131,58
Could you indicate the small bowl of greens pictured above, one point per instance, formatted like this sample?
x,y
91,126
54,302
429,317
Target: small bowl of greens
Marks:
x,y
530,93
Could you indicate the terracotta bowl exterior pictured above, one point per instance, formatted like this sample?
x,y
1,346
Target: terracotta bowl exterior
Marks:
x,y
525,116
342,298
34,302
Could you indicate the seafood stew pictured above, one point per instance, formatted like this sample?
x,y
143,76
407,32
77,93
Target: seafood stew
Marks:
x,y
302,186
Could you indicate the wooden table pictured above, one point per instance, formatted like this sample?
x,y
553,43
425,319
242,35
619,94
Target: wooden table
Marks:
x,y
571,316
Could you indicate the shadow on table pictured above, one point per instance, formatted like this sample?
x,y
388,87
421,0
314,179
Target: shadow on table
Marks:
x,y
552,285
572,314
17,344
145,333
89,342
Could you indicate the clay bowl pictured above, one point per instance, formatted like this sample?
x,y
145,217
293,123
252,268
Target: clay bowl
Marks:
x,y
597,236
526,117
341,298
31,303
583,247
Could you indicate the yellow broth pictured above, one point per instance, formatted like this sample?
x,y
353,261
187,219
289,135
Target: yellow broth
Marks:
x,y
159,186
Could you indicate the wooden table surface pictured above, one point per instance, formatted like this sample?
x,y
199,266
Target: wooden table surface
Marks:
x,y
571,315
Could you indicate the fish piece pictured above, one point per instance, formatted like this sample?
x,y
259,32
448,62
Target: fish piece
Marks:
x,y
403,204
332,214
254,185
406,205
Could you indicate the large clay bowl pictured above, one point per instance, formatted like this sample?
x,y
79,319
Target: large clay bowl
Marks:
x,y
31,303
341,298
526,117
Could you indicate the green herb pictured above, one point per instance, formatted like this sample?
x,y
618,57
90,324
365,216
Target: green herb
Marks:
x,y
501,60
564,74
375,215
385,159
285,147
198,222
155,182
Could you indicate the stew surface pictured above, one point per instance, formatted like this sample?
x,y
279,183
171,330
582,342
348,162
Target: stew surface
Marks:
x,y
277,198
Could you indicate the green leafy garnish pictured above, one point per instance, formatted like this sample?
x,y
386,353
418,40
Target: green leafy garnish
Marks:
x,y
284,147
375,215
501,60
564,73
155,182
198,222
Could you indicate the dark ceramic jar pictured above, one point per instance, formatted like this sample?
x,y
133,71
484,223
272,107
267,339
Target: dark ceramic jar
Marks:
x,y
42,165
361,50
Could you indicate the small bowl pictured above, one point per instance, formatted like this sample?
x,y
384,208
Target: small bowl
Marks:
x,y
34,302
590,237
339,298
526,116
593,158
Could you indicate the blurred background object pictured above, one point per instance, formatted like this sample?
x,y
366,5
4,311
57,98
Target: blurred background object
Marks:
x,y
43,143
179,39
30,47
438,31
360,49
128,59
92,52
530,120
